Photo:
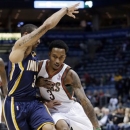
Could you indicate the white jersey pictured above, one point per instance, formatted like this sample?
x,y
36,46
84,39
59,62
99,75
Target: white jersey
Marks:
x,y
69,110
59,90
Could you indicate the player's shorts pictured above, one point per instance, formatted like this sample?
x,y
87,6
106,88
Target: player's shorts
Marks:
x,y
75,117
29,115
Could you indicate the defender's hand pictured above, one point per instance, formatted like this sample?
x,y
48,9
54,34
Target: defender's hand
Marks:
x,y
52,104
71,11
44,82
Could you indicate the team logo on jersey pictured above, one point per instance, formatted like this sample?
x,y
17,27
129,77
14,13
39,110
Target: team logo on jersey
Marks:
x,y
55,87
59,77
32,66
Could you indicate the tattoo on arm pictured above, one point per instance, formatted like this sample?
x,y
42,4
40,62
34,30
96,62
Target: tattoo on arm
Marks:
x,y
35,34
86,104
24,41
39,32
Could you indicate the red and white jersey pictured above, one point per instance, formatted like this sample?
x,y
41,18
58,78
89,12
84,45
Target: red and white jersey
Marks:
x,y
59,91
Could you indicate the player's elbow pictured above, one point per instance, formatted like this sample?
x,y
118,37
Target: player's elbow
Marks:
x,y
14,59
16,56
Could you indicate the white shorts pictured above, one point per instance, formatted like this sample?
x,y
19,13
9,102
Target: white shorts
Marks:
x,y
76,118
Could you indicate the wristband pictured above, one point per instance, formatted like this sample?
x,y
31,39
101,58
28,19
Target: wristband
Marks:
x,y
98,129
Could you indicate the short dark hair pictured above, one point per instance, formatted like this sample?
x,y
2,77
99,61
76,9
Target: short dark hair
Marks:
x,y
28,28
58,44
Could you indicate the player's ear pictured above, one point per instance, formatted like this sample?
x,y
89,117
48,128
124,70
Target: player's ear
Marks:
x,y
25,33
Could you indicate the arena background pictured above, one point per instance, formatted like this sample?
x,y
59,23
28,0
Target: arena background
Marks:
x,y
99,48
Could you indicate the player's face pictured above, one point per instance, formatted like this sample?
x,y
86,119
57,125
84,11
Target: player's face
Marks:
x,y
57,57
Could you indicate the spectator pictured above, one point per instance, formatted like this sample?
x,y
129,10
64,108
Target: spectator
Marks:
x,y
98,112
117,118
87,78
124,46
96,96
105,118
113,103
117,77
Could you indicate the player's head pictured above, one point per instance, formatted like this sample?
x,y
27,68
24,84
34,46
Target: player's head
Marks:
x,y
28,28
57,53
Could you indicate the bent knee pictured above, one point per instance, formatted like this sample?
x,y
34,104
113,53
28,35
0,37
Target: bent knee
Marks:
x,y
62,128
62,125
48,127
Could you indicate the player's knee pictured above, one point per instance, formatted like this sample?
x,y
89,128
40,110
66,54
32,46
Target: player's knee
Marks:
x,y
62,125
62,128
48,127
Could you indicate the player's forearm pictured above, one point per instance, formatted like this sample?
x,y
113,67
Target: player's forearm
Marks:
x,y
4,84
3,77
55,18
88,108
4,89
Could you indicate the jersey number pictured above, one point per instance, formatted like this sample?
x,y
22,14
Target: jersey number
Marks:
x,y
51,95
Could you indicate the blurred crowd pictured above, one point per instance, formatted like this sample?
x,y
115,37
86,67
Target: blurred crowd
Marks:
x,y
112,110
121,83
114,117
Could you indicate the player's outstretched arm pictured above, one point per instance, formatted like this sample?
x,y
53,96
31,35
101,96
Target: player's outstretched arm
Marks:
x,y
31,38
3,77
73,79
50,23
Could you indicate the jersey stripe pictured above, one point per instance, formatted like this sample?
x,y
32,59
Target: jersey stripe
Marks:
x,y
18,79
12,71
40,65
13,114
62,80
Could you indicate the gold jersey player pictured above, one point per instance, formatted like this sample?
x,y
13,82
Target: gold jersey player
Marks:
x,y
21,108
66,112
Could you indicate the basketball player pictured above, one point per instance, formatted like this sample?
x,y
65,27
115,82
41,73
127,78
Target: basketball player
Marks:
x,y
66,112
22,110
3,84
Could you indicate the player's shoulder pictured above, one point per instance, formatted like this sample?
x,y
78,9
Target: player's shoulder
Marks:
x,y
71,71
1,61
72,74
